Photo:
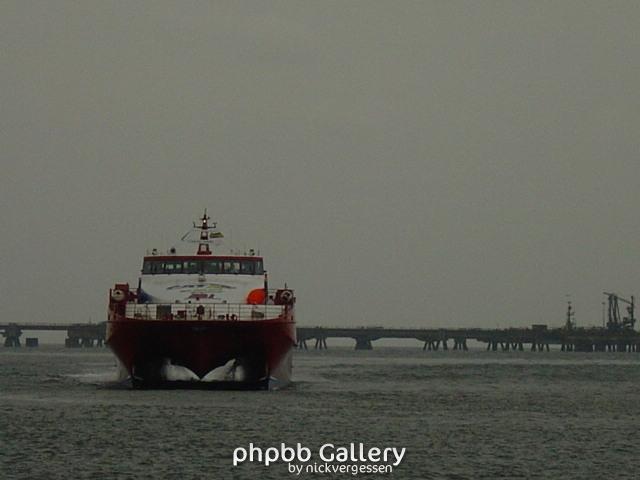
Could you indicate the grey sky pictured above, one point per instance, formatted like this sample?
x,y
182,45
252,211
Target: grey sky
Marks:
x,y
398,163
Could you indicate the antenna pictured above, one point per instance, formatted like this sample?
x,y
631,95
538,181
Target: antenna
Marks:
x,y
205,235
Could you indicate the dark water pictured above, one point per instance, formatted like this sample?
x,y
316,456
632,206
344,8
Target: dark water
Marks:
x,y
459,414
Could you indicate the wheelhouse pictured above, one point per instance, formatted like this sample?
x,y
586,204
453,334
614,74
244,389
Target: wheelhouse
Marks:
x,y
209,265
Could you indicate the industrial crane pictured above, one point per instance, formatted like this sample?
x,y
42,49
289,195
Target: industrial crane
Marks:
x,y
615,321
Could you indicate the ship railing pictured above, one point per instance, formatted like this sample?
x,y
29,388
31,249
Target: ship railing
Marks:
x,y
215,311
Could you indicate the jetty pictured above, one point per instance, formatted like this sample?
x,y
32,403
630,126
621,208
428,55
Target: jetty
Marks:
x,y
616,335
535,338
78,334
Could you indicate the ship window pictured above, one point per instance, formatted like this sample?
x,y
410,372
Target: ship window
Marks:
x,y
212,266
231,266
174,266
156,267
247,267
194,267
191,267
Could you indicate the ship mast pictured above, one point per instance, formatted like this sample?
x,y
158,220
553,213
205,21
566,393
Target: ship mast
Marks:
x,y
207,236
203,246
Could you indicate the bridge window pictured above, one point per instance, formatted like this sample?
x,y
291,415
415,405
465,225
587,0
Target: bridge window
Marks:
x,y
191,267
247,268
153,267
259,269
212,266
231,266
174,266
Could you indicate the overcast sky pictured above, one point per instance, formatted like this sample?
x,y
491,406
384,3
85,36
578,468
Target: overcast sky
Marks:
x,y
397,163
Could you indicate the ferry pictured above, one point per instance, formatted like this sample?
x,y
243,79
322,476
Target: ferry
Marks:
x,y
203,320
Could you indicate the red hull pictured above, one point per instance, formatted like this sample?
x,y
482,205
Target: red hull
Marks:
x,y
259,346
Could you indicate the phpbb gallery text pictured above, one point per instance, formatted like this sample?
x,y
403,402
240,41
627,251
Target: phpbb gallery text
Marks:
x,y
353,459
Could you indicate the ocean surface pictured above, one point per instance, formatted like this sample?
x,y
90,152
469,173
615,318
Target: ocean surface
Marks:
x,y
460,415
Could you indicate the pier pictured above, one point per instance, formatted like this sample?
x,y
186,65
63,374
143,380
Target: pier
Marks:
x,y
536,338
78,334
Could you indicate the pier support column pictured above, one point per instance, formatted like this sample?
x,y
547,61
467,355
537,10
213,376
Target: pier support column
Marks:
x,y
72,342
12,335
363,343
583,345
12,342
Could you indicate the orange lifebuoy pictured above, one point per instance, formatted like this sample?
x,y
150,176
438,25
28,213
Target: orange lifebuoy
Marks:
x,y
256,296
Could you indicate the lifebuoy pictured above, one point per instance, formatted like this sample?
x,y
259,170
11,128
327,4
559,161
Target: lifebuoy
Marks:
x,y
286,296
256,296
118,295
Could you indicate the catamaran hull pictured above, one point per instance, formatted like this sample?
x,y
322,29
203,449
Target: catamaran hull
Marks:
x,y
242,355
